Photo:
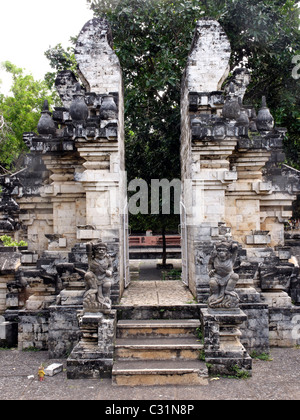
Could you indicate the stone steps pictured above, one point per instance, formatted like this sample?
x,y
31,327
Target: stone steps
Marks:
x,y
158,349
158,352
157,328
159,372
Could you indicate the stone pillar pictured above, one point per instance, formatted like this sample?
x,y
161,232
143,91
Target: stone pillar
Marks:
x,y
207,141
98,120
68,200
224,353
230,157
36,216
92,357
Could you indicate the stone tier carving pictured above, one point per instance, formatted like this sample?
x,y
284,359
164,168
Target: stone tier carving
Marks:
x,y
209,57
8,206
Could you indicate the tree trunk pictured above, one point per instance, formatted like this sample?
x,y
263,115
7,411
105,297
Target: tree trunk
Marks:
x,y
164,252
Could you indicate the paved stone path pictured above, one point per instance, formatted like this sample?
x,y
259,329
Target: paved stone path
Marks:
x,y
150,288
143,293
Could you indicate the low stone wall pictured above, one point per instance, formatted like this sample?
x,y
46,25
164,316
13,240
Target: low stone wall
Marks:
x,y
255,331
93,356
33,330
284,326
64,331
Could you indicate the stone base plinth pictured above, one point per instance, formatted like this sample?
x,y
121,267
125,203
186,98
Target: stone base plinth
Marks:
x,y
224,353
89,368
92,357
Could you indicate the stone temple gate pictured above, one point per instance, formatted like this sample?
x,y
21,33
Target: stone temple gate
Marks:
x,y
62,293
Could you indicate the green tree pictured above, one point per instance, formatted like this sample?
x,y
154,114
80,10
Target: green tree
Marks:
x,y
59,60
265,37
152,48
21,112
152,40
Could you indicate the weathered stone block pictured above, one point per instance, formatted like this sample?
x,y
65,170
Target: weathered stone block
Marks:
x,y
54,369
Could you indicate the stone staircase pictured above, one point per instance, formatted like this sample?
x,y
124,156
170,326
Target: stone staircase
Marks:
x,y
158,352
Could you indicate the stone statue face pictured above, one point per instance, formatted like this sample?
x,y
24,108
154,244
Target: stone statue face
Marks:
x,y
100,252
223,254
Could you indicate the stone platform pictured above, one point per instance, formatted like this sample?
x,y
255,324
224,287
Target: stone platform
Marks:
x,y
161,293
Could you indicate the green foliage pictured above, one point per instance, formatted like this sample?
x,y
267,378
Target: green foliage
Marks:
x,y
21,112
261,356
8,241
199,333
265,36
152,40
31,349
59,60
172,274
202,355
239,373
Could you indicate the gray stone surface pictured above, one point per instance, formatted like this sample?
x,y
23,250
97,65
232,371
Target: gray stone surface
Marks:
x,y
278,379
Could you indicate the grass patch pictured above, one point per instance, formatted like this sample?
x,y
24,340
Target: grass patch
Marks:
x,y
261,356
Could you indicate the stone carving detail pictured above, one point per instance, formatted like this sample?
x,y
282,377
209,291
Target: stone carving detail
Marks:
x,y
222,277
98,279
209,57
96,37
66,84
46,125
78,109
8,205
264,121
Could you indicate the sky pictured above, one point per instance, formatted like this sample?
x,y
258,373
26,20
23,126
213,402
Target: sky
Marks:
x,y
29,27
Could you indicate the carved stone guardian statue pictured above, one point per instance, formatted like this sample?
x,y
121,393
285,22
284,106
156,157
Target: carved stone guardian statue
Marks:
x,y
222,277
98,279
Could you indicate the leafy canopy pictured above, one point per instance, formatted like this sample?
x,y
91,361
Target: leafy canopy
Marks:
x,y
152,39
21,112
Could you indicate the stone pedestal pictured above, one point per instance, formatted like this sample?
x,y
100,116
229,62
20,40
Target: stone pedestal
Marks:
x,y
224,353
8,333
92,357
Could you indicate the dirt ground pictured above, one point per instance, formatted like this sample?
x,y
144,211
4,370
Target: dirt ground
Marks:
x,y
278,379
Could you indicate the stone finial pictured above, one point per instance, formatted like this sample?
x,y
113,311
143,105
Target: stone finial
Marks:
x,y
252,124
264,120
208,64
78,109
46,125
108,109
231,109
243,118
98,65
